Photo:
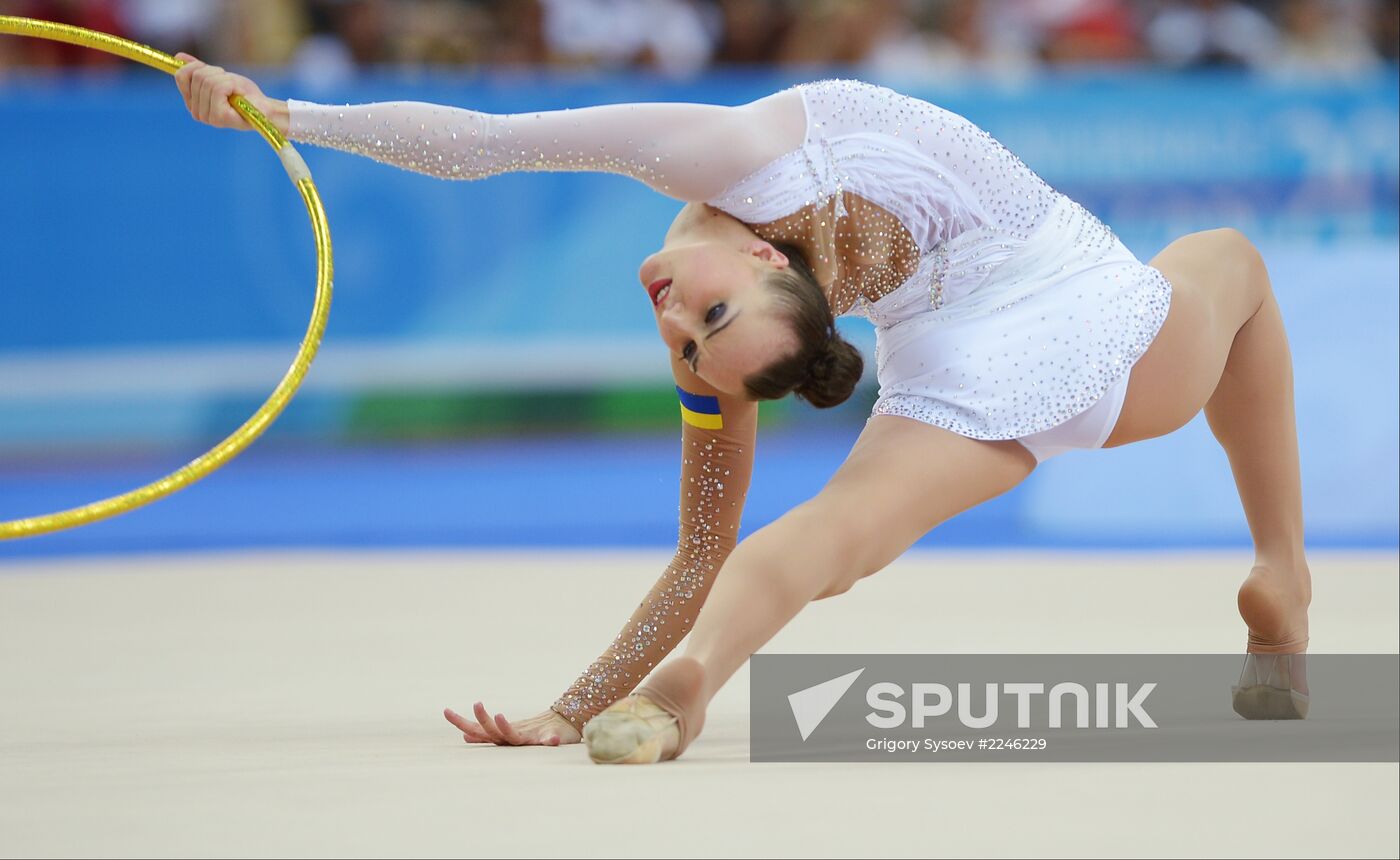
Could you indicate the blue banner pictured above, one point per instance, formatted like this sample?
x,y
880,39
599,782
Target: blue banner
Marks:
x,y
128,225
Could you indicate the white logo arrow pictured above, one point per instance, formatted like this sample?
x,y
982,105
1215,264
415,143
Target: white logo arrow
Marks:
x,y
810,706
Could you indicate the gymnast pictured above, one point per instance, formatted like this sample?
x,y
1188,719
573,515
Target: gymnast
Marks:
x,y
1011,326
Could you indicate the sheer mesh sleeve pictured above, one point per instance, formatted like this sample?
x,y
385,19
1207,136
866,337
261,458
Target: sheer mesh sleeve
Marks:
x,y
715,469
687,151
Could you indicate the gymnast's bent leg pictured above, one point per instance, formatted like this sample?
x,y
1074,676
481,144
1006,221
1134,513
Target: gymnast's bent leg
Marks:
x,y
901,479
1223,347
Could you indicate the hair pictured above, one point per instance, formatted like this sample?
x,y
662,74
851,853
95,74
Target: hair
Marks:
x,y
826,367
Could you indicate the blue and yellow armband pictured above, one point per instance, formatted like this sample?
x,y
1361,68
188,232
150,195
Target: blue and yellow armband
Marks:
x,y
699,410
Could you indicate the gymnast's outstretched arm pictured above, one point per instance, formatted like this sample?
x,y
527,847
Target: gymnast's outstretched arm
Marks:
x,y
717,445
716,464
690,152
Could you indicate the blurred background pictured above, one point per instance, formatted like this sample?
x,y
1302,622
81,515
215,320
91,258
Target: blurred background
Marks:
x,y
491,375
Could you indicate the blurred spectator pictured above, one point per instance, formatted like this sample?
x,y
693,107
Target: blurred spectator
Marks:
x,y
677,37
261,32
176,25
345,35
518,33
752,30
977,35
900,41
1212,33
837,32
325,41
1325,37
1385,30
1086,31
440,33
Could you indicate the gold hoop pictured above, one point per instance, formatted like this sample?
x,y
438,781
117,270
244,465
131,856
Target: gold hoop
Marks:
x,y
251,429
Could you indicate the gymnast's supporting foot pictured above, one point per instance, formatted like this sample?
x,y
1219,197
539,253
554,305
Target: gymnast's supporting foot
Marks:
x,y
655,723
1226,294
1273,684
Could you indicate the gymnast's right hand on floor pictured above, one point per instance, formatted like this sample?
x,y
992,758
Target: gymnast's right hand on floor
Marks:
x,y
546,729
206,90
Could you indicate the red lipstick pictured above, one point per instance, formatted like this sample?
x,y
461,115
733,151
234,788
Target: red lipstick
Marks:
x,y
655,287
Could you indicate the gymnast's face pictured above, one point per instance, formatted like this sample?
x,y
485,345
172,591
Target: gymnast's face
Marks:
x,y
713,311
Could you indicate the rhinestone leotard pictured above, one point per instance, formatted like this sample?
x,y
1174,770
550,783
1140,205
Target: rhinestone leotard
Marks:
x,y
910,215
1001,308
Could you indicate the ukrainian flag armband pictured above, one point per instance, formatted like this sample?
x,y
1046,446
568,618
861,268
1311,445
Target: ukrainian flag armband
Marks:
x,y
699,410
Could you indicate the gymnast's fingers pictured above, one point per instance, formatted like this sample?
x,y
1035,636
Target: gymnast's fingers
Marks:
x,y
508,731
182,76
198,81
183,83
190,90
487,724
471,732
239,85
208,93
224,91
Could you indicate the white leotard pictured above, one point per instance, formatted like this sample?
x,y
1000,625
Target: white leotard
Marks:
x,y
1024,310
1002,308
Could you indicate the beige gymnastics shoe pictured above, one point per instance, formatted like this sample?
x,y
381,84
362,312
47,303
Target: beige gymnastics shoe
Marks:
x,y
1272,687
633,730
654,724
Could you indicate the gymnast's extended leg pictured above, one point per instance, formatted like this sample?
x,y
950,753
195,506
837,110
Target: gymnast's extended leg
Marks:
x,y
901,479
1224,313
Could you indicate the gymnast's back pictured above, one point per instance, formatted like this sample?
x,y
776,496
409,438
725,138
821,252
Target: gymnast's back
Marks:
x,y
936,171
878,184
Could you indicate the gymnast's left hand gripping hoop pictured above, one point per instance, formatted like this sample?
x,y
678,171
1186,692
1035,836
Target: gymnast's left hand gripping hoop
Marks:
x,y
251,429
